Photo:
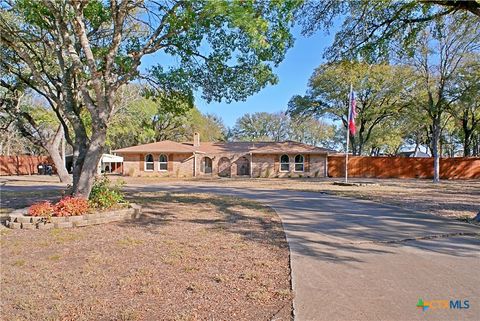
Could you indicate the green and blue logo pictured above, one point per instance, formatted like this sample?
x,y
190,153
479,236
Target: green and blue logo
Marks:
x,y
425,305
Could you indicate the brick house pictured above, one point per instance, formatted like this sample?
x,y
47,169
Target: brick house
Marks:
x,y
224,159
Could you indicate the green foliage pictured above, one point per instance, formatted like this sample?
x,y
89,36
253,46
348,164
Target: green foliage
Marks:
x,y
142,120
96,13
381,94
78,54
372,29
264,126
104,195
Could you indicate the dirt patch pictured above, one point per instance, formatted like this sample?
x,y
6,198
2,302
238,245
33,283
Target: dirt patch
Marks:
x,y
192,257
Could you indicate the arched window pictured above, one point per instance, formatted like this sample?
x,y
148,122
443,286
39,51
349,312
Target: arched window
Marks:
x,y
299,163
163,162
149,162
206,166
284,163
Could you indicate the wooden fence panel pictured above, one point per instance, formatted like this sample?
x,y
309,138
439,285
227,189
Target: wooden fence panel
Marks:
x,y
22,165
403,167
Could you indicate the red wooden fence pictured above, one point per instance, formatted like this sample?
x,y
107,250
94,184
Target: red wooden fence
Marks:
x,y
22,165
403,167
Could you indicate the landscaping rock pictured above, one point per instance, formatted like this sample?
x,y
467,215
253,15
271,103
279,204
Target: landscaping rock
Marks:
x,y
109,214
45,226
15,225
82,223
36,219
93,216
58,219
75,218
29,226
63,224
137,214
24,219
18,219
13,216
136,207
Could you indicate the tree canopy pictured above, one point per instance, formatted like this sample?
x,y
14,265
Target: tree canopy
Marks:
x,y
371,29
262,126
77,54
380,90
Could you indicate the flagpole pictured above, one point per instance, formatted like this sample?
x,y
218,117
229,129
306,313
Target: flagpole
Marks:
x,y
348,131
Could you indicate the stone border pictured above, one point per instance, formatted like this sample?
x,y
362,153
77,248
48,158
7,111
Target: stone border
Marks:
x,y
19,220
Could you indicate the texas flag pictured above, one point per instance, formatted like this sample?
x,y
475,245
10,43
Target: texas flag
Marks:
x,y
353,114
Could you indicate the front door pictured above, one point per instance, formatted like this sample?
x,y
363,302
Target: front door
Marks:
x,y
243,166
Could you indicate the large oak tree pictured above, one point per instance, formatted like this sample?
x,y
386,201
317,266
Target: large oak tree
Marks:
x,y
380,95
77,54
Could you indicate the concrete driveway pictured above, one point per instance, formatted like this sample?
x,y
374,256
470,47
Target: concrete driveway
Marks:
x,y
360,260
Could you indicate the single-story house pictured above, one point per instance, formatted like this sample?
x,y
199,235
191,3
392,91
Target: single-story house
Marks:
x,y
224,159
413,153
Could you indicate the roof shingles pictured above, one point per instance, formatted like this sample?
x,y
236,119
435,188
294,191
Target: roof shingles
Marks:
x,y
226,147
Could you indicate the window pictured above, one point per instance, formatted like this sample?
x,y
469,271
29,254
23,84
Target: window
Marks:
x,y
206,165
163,163
284,163
299,163
149,162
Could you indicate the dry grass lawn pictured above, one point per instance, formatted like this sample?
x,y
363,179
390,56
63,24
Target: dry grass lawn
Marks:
x,y
191,257
458,198
452,198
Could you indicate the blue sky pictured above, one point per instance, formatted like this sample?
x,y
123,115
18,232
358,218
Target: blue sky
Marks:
x,y
293,73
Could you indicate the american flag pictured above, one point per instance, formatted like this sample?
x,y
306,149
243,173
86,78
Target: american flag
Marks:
x,y
353,114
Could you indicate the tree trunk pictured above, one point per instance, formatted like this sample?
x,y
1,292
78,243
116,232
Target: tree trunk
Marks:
x,y
467,144
435,152
53,149
476,146
59,164
88,162
417,146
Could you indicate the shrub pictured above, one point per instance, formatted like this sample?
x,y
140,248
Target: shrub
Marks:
x,y
103,195
44,209
71,206
316,173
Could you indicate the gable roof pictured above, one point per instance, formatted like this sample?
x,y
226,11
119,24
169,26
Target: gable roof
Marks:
x,y
164,146
227,147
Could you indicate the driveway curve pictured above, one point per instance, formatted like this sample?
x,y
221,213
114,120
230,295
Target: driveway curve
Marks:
x,y
359,260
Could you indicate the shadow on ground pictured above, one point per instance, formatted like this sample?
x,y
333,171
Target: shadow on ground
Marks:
x,y
338,229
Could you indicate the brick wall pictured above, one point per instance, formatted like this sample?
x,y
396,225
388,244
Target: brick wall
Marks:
x,y
179,165
270,164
